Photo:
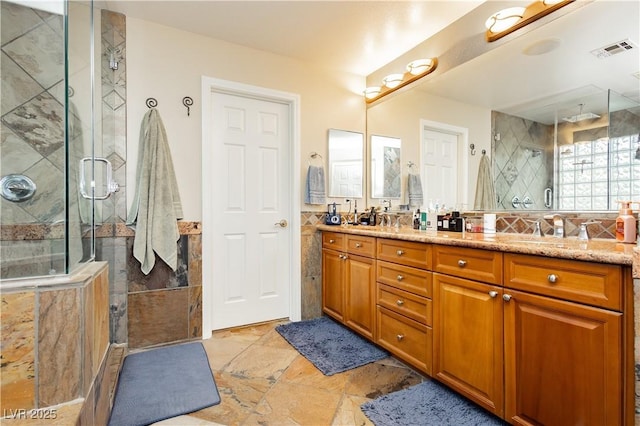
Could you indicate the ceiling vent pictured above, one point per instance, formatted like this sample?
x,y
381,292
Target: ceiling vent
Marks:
x,y
614,48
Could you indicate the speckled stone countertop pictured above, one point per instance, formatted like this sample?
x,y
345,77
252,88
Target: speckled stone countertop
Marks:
x,y
594,250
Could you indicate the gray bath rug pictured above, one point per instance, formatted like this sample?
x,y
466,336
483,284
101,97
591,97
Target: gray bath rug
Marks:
x,y
428,403
162,383
330,346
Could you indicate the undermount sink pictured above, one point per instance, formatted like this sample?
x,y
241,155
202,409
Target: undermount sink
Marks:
x,y
558,243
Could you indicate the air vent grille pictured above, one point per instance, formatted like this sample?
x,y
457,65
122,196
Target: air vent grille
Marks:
x,y
614,49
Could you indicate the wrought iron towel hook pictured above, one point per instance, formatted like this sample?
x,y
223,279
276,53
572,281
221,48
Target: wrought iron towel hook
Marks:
x,y
188,102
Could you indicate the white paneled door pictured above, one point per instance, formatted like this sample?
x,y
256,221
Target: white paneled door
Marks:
x,y
440,171
250,221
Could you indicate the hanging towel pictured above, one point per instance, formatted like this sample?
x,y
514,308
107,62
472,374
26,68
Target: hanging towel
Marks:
x,y
156,205
485,190
315,193
414,189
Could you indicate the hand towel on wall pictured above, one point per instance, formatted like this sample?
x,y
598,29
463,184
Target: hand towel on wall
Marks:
x,y
156,205
315,192
485,189
414,189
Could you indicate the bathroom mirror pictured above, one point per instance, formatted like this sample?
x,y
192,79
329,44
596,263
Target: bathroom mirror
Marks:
x,y
386,170
346,153
532,80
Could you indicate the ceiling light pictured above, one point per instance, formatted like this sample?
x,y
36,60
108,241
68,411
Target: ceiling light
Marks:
x,y
509,20
419,66
372,92
505,19
393,80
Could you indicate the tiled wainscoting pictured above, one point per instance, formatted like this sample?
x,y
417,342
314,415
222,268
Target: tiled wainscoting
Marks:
x,y
55,340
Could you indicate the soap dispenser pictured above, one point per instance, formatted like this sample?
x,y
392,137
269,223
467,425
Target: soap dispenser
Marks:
x,y
626,223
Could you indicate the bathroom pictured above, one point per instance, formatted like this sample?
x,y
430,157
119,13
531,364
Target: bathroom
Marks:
x,y
140,59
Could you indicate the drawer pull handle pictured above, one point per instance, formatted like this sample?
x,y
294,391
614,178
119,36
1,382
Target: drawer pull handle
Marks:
x,y
400,252
506,297
332,241
400,302
462,263
400,277
358,245
400,337
552,278
493,293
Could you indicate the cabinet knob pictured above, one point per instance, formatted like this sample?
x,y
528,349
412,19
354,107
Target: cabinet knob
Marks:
x,y
345,257
506,297
332,241
358,245
552,278
400,252
400,337
400,302
462,263
493,293
400,277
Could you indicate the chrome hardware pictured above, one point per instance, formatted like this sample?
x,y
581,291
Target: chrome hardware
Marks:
x,y
346,256
400,302
112,186
537,230
332,241
552,278
506,297
400,337
400,252
283,223
358,245
493,293
17,188
548,197
558,226
584,233
462,263
400,277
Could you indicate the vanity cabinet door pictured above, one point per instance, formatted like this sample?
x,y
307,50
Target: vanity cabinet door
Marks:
x,y
360,302
333,272
468,339
562,362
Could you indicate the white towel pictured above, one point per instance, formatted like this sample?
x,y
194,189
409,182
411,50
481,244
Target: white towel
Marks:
x,y
315,192
414,189
485,189
156,204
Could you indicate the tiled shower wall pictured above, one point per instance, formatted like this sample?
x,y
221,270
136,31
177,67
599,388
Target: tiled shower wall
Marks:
x,y
522,160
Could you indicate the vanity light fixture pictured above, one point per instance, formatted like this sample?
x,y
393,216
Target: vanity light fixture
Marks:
x,y
509,20
415,70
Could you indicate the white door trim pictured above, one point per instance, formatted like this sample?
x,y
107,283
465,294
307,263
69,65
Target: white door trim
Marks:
x,y
463,154
209,86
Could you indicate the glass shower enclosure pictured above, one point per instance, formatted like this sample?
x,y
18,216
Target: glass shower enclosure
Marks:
x,y
48,180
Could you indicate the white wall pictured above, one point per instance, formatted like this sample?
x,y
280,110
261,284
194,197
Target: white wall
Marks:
x,y
167,64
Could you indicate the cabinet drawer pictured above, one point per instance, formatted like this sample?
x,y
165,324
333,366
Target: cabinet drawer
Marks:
x,y
363,246
406,253
405,338
591,283
334,240
405,303
474,264
405,278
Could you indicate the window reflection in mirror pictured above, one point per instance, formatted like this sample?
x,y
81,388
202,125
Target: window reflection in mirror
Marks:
x,y
386,170
346,153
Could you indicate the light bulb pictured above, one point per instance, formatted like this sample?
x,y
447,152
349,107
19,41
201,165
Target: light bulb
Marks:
x,y
392,80
419,66
504,19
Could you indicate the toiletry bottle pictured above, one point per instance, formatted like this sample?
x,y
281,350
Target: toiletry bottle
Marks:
x,y
626,223
416,219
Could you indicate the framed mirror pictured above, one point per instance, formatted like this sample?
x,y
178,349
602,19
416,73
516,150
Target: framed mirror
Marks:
x,y
346,158
386,170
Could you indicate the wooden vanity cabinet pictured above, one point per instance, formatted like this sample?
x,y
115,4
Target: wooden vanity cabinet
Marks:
x,y
468,348
348,280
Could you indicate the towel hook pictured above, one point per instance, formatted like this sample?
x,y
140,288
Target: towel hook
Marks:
x,y
313,156
152,102
187,101
472,147
411,165
484,151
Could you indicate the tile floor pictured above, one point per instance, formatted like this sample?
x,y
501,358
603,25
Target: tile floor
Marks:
x,y
263,380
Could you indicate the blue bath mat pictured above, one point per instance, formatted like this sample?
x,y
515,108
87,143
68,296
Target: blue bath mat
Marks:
x,y
331,347
428,403
162,383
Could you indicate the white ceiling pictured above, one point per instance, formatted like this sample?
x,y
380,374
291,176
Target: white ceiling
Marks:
x,y
352,36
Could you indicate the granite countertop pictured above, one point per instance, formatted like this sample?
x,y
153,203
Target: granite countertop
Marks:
x,y
595,250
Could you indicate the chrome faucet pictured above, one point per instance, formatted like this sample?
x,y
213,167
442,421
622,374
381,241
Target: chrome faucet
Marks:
x,y
558,226
584,233
387,208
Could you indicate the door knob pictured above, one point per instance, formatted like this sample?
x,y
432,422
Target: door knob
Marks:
x,y
283,223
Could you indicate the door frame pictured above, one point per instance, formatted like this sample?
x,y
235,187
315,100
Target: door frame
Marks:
x,y
463,154
212,85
